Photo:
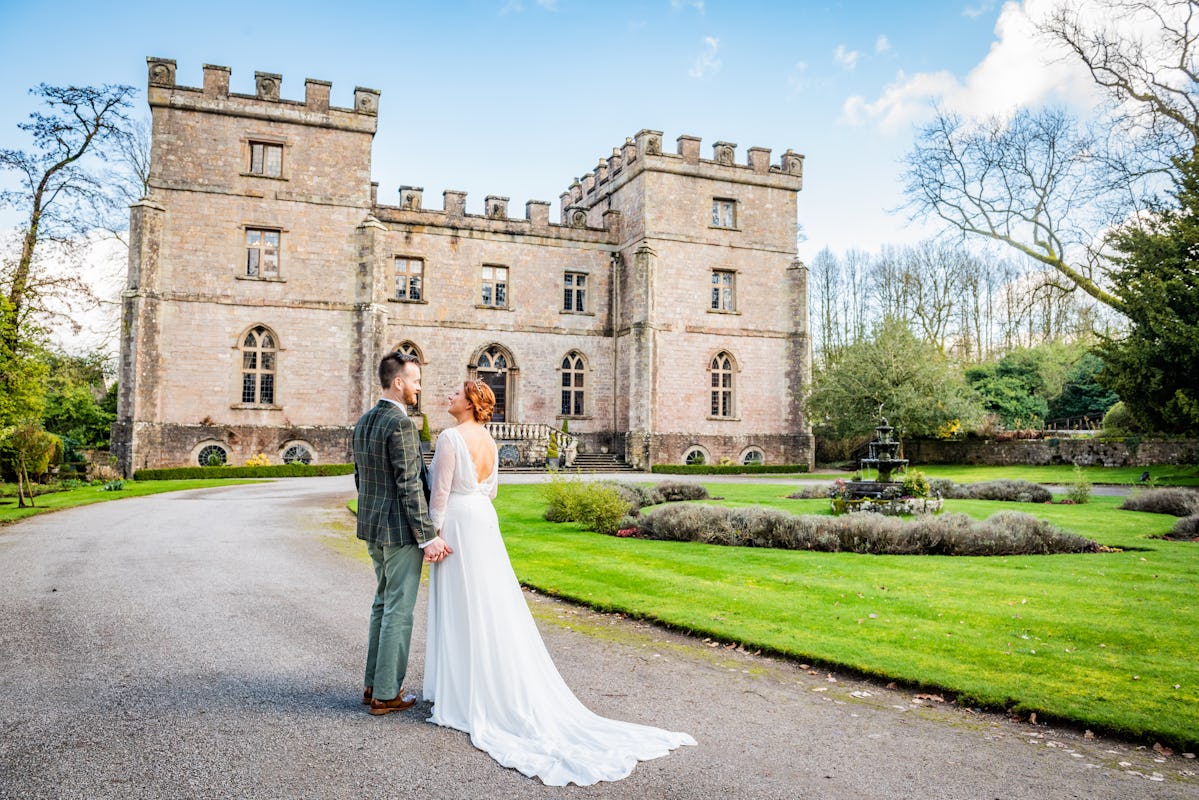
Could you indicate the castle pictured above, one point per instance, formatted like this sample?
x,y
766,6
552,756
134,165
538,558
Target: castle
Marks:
x,y
663,319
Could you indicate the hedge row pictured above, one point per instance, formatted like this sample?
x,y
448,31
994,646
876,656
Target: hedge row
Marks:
x,y
1003,534
726,469
294,470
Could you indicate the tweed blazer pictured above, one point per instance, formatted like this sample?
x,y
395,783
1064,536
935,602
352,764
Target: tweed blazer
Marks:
x,y
391,477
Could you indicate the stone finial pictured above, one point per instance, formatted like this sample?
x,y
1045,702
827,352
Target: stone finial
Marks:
x,y
689,148
374,193
589,183
538,213
649,142
411,197
455,202
612,219
161,71
576,217
576,191
759,159
724,153
628,150
316,94
366,101
216,80
266,86
615,161
792,163
601,172
496,207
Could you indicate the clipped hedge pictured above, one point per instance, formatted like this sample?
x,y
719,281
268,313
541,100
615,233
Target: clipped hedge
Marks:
x,y
726,469
1176,502
1003,489
1002,534
273,471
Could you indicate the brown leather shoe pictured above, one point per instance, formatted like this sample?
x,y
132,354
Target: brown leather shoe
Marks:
x,y
397,703
367,694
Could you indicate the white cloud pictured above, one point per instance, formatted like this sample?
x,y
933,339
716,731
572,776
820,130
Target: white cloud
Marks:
x,y
846,58
977,10
707,61
882,44
1019,70
798,79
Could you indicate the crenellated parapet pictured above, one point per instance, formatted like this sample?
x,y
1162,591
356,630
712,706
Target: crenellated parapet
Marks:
x,y
267,102
645,152
494,217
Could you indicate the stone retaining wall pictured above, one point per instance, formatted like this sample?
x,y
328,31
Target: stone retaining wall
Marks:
x,y
1129,452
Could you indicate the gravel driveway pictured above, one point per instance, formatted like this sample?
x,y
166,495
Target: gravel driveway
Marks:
x,y
209,644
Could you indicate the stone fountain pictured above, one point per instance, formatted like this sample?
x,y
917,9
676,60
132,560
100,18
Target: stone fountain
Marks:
x,y
883,456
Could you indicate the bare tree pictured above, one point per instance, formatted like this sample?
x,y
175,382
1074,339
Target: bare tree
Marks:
x,y
59,193
1029,182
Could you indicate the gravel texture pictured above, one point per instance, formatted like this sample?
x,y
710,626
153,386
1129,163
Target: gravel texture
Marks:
x,y
209,644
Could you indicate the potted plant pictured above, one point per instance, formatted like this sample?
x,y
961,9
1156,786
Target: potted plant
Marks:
x,y
426,436
551,452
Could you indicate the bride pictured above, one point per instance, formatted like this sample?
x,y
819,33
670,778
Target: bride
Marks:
x,y
487,671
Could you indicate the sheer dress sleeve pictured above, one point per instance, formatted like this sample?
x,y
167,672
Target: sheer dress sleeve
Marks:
x,y
442,478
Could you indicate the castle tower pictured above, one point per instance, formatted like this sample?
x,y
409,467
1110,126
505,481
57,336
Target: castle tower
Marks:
x,y
245,302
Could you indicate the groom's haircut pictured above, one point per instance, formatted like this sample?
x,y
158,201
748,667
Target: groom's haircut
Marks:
x,y
392,364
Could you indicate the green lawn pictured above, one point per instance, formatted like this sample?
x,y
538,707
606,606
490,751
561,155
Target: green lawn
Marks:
x,y
1103,640
1160,475
86,495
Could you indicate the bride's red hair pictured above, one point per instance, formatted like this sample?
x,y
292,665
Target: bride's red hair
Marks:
x,y
481,398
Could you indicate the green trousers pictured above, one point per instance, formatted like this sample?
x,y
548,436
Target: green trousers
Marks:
x,y
397,575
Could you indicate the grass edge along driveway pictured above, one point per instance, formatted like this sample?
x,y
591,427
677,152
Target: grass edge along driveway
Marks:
x,y
1098,640
86,495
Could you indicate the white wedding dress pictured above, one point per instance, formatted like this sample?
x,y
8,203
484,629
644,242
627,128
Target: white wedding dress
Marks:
x,y
487,671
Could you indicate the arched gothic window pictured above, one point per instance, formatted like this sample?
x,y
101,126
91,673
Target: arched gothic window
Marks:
x,y
494,368
723,391
258,352
573,379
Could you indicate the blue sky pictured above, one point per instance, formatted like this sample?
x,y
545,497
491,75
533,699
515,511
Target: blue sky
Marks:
x,y
518,97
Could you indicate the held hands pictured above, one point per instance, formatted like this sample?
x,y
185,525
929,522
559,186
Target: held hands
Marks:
x,y
436,550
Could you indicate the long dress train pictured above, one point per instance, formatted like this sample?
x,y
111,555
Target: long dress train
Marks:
x,y
487,671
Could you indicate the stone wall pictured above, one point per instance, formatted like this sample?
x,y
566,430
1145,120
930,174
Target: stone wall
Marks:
x,y
1082,451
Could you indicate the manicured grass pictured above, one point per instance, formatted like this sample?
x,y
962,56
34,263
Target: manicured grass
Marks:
x,y
1101,640
86,495
1161,475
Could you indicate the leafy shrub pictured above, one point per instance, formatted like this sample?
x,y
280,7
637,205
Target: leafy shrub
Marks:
x,y
636,495
915,484
1004,533
292,470
1118,421
596,506
1080,488
113,486
1176,502
259,460
727,469
1186,526
816,491
1003,489
675,491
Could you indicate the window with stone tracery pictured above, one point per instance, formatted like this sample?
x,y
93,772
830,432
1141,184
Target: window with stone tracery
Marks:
x,y
258,353
266,159
720,369
573,378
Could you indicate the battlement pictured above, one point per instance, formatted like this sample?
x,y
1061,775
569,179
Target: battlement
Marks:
x,y
265,103
453,213
644,151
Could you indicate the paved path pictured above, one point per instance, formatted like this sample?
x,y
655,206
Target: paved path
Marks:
x,y
208,644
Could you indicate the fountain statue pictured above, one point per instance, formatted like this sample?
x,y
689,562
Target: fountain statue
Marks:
x,y
883,456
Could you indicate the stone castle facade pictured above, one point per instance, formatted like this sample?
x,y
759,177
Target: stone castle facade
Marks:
x,y
663,318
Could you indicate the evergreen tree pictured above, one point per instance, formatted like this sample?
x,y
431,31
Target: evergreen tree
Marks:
x,y
1155,367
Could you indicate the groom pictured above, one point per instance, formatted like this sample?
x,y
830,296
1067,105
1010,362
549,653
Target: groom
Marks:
x,y
393,519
